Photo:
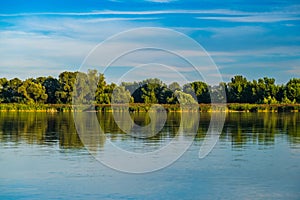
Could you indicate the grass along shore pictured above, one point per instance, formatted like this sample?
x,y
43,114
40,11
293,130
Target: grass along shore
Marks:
x,y
137,107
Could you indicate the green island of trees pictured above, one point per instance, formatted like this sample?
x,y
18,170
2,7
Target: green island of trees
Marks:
x,y
55,94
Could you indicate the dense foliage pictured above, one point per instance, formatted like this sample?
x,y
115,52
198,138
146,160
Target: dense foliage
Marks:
x,y
49,90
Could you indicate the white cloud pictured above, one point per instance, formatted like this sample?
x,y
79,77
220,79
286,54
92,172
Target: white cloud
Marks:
x,y
90,29
27,54
282,14
37,41
96,20
116,12
267,18
294,71
282,51
65,44
221,32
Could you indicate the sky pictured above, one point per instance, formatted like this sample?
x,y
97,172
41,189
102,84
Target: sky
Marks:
x,y
242,37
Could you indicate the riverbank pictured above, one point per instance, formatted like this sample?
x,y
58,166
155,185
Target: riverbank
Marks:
x,y
234,107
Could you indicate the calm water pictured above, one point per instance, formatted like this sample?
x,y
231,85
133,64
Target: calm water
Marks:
x,y
256,157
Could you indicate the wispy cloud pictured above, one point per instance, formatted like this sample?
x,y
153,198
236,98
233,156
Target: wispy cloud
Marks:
x,y
222,32
280,51
251,19
115,12
237,39
95,20
23,53
245,16
294,71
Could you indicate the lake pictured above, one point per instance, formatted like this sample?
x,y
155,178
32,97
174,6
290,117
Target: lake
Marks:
x,y
256,157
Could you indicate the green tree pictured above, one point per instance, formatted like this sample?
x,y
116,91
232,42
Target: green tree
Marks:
x,y
91,87
3,83
184,98
104,91
32,92
153,91
200,89
219,93
239,90
10,91
267,90
175,87
293,90
52,86
148,91
65,92
95,80
40,80
121,95
135,90
163,94
81,88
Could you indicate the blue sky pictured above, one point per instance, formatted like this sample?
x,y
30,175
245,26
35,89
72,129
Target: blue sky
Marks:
x,y
251,38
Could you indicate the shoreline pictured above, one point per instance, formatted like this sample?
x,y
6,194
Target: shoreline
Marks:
x,y
135,108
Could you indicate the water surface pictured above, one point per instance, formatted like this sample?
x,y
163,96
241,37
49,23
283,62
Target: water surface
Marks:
x,y
256,157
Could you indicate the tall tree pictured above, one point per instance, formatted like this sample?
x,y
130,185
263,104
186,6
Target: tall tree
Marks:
x,y
267,90
121,95
104,91
10,91
147,91
3,83
219,93
135,90
65,92
184,98
293,90
32,92
200,89
52,86
175,87
239,90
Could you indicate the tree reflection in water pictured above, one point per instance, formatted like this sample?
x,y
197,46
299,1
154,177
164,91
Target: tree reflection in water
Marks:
x,y
59,128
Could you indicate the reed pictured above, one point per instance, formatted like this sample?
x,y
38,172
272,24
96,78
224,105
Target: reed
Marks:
x,y
140,107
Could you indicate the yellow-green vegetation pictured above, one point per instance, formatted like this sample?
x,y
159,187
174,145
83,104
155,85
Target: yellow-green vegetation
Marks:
x,y
10,107
141,107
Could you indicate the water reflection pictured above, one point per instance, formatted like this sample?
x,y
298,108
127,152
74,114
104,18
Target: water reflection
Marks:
x,y
241,129
261,128
39,128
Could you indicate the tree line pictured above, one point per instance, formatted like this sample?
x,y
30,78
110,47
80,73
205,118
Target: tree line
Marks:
x,y
50,90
